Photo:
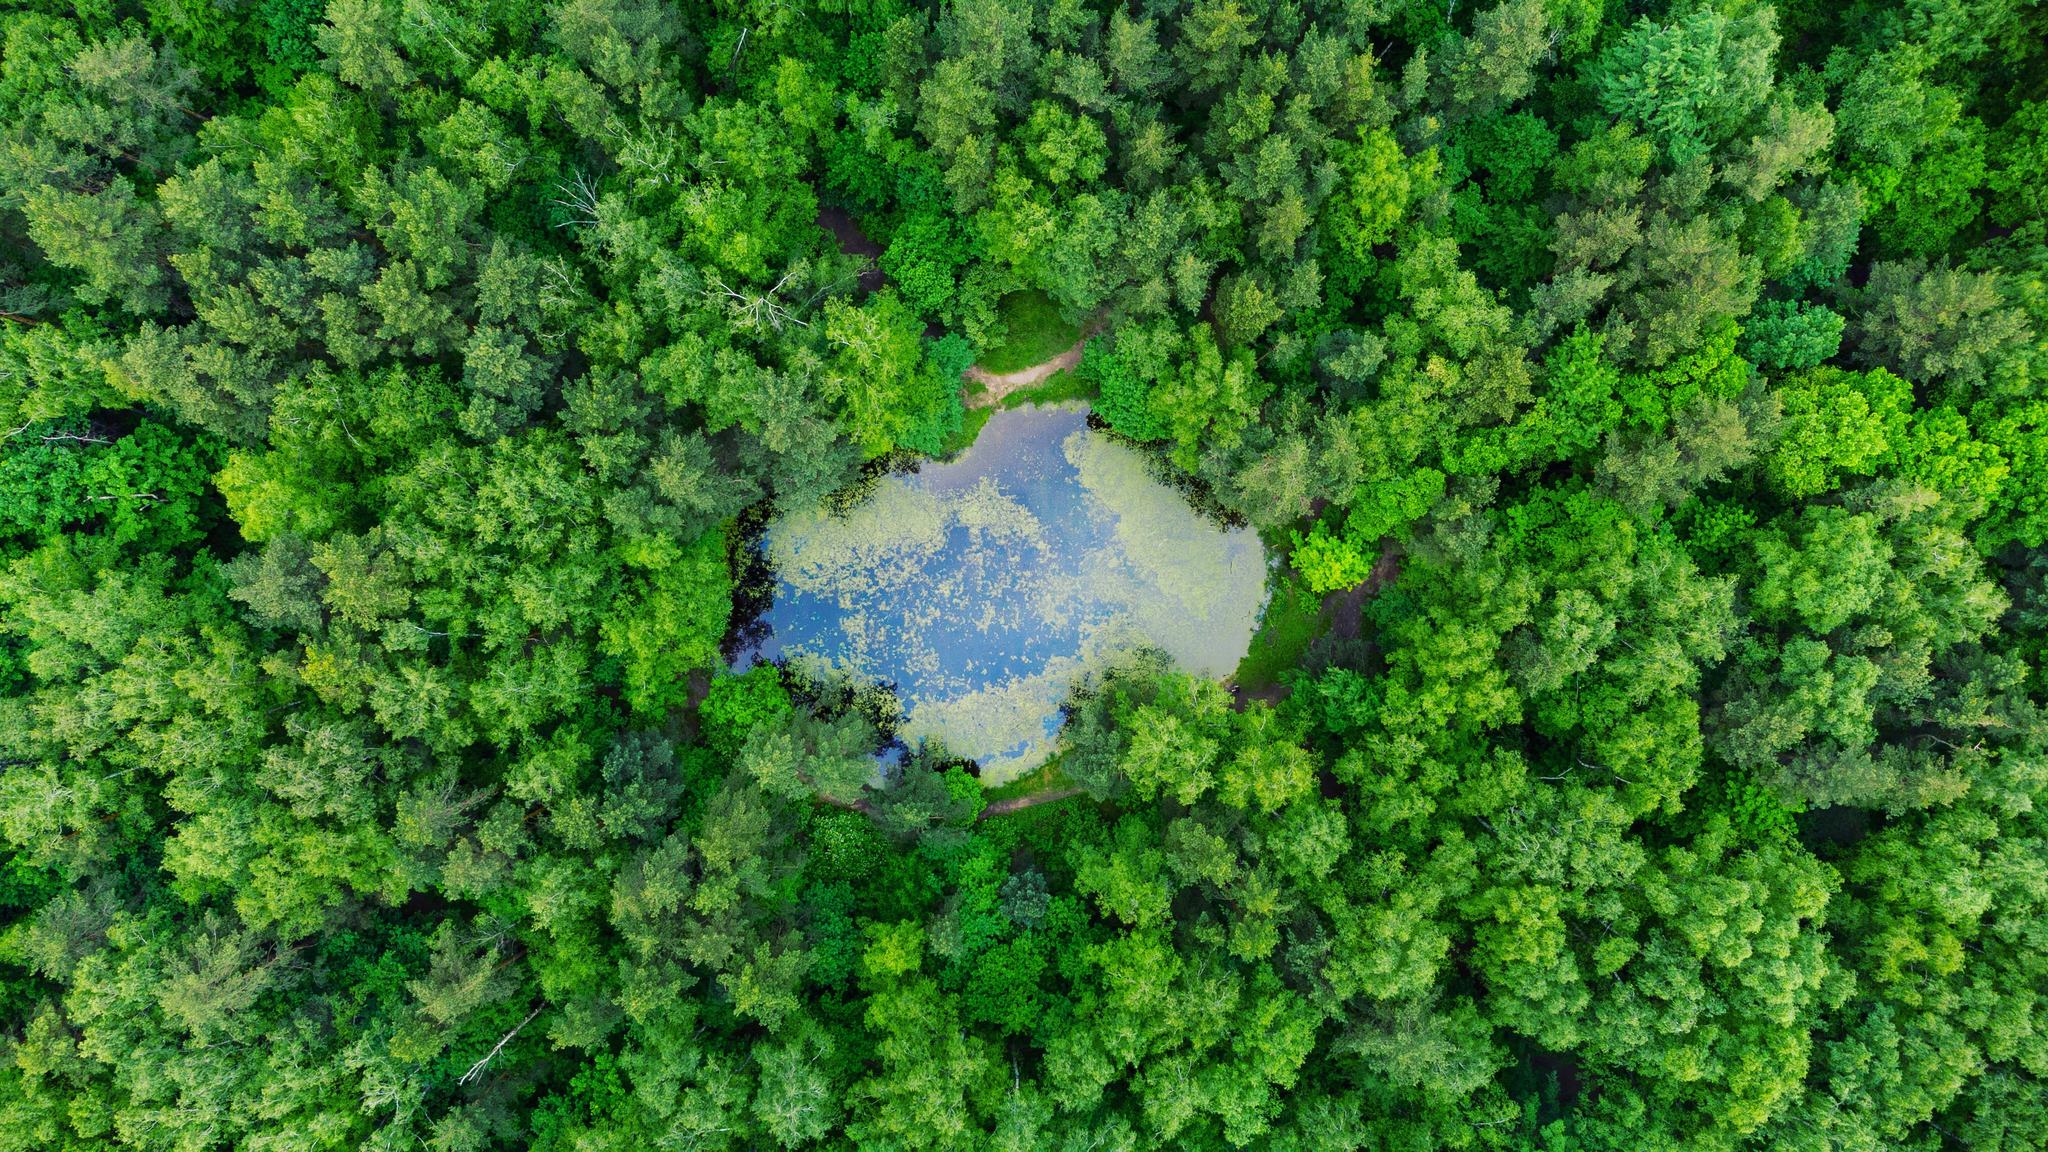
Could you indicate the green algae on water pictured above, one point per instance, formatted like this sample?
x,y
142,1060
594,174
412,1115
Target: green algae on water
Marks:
x,y
980,589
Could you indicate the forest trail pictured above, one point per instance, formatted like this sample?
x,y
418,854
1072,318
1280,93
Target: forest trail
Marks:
x,y
1018,803
1347,605
996,385
999,808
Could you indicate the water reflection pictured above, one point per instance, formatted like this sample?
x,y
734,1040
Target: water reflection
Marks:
x,y
982,587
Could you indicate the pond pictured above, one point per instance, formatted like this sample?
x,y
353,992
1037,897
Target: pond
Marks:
x,y
981,588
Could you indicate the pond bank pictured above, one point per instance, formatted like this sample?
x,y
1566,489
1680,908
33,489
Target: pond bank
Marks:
x,y
997,385
1286,631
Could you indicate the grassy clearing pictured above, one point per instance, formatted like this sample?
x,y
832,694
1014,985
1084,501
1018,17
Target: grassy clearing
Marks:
x,y
1292,622
1047,777
1036,333
1058,388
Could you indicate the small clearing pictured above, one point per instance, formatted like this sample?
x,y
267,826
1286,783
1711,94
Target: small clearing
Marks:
x,y
1341,614
996,385
1018,803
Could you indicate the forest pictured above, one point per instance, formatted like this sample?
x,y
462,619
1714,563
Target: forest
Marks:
x,y
1644,748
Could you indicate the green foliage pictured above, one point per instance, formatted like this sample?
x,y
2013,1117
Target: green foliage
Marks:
x,y
288,31
1062,387
1791,335
1033,332
1210,399
2019,179
1292,620
149,487
1495,217
1378,183
1327,563
923,260
1917,156
735,705
1754,811
1691,82
1123,378
669,622
1378,509
382,386
1835,422
890,393
1946,328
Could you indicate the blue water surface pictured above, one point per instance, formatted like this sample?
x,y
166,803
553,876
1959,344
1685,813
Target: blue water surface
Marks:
x,y
982,587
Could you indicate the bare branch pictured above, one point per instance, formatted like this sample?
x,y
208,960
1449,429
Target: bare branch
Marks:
x,y
578,196
477,1069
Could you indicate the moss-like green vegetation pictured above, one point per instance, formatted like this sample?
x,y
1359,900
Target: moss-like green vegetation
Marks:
x,y
1034,332
1047,777
1294,618
1059,388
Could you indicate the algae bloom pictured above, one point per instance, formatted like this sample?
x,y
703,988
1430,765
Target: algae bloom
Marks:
x,y
982,587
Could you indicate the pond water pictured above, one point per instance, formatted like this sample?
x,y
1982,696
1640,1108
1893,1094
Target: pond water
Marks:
x,y
981,588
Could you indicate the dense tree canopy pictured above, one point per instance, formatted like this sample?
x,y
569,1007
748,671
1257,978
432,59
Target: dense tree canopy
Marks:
x,y
392,390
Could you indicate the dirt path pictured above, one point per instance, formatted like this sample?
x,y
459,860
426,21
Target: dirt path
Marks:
x,y
1347,605
996,385
1019,803
1241,696
999,808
